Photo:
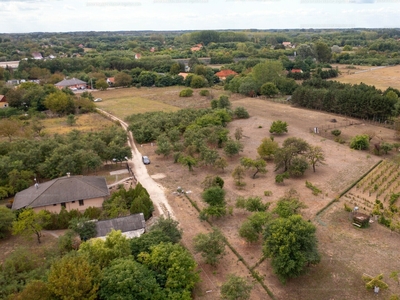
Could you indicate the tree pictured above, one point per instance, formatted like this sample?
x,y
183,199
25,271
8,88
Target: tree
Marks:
x,y
315,156
238,175
214,196
169,227
268,148
102,252
221,163
233,147
278,127
9,128
267,71
212,181
298,166
123,79
164,146
101,84
6,219
71,120
360,142
84,227
292,244
269,89
34,290
175,269
188,161
241,113
211,246
30,222
236,288
304,51
238,133
258,164
73,277
252,204
323,52
59,103
281,177
130,280
289,205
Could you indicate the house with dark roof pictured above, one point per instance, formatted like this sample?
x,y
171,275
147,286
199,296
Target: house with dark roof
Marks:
x,y
130,226
71,192
225,73
3,101
71,83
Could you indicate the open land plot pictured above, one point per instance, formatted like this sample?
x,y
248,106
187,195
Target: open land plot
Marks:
x,y
380,77
328,280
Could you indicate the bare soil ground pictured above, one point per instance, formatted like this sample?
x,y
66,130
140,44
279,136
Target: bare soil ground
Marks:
x,y
338,276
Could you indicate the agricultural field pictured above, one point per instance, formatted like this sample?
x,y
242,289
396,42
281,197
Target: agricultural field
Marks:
x,y
380,77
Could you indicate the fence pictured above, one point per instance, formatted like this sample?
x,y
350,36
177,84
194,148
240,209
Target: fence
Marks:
x,y
325,129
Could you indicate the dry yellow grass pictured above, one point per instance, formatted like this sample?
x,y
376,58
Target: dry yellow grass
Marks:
x,y
86,122
380,77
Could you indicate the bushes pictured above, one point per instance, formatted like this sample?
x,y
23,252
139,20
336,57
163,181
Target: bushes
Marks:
x,y
186,93
204,93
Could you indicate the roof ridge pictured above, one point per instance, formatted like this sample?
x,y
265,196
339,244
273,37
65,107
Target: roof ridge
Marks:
x,y
50,185
94,186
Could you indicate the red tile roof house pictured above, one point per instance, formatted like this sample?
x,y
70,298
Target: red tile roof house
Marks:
x,y
71,83
225,73
138,56
3,101
197,47
287,44
110,81
296,70
71,192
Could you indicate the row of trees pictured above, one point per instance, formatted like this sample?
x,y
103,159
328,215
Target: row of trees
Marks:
x,y
360,100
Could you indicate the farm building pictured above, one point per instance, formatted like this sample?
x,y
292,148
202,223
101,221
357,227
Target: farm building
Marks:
x,y
130,226
71,192
225,73
3,101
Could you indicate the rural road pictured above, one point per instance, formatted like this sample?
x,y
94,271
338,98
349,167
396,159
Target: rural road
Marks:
x,y
155,190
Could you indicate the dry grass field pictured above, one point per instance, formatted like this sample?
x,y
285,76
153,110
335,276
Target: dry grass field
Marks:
x,y
380,77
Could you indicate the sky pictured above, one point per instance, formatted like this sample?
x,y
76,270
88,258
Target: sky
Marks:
x,y
21,16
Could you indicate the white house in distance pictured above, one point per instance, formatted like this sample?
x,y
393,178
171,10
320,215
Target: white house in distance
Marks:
x,y
71,192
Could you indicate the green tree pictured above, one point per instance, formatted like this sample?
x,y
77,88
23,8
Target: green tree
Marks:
x,y
123,79
281,177
169,227
267,71
236,288
71,120
34,290
29,222
233,147
252,204
323,52
101,84
289,205
221,163
59,103
258,164
278,127
267,148
6,219
241,113
269,89
214,196
9,128
292,244
315,156
175,69
360,142
175,269
73,277
130,280
298,166
101,253
211,246
188,161
238,175
84,227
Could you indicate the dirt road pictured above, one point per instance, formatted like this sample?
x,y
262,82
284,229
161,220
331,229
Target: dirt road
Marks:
x,y
155,190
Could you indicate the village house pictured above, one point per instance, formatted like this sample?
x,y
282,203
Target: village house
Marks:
x,y
138,56
197,47
73,84
3,101
70,192
110,81
225,73
37,55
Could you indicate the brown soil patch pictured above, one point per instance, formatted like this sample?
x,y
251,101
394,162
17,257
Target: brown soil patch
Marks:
x,y
335,277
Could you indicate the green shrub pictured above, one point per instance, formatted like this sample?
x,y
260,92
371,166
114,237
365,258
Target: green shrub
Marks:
x,y
347,208
241,113
267,193
186,93
205,93
336,132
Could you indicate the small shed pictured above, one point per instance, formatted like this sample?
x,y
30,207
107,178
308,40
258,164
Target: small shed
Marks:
x,y
360,220
130,226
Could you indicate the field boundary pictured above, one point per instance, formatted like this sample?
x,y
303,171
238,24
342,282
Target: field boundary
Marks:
x,y
253,273
348,188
